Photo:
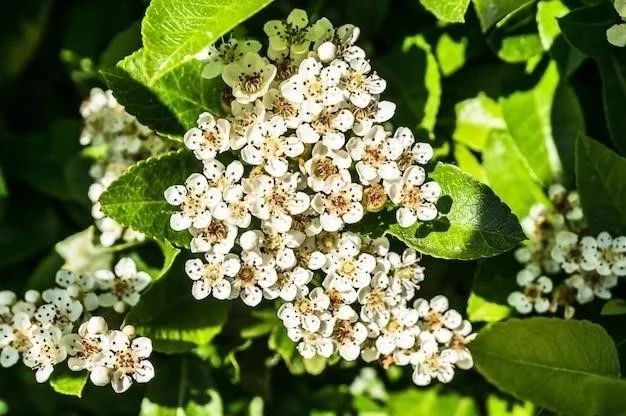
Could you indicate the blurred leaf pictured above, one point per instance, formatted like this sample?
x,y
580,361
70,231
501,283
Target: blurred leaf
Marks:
x,y
169,104
614,307
136,198
122,45
68,382
501,407
44,274
448,11
468,163
600,180
493,281
476,118
451,53
170,253
172,318
183,386
548,361
528,118
504,164
174,31
567,58
491,12
585,29
3,186
81,255
515,48
286,349
413,78
474,224
430,402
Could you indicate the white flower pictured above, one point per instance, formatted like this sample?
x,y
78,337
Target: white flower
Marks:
x,y
61,310
569,254
15,339
227,52
307,311
219,237
308,255
276,200
46,351
406,273
416,199
255,274
249,77
439,365
212,276
291,34
376,112
534,288
81,286
377,300
195,200
232,208
339,44
279,246
458,345
128,360
268,147
278,105
348,333
437,318
339,202
245,117
608,254
313,88
209,138
121,286
347,266
375,154
329,125
591,284
324,163
290,283
310,343
87,350
399,332
616,35
359,87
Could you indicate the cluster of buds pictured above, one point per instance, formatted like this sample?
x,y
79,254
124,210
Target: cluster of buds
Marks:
x,y
300,158
116,140
563,264
40,328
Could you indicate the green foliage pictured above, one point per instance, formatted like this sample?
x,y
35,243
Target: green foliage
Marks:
x,y
600,177
476,118
493,281
475,223
614,307
136,198
448,11
491,12
565,358
68,382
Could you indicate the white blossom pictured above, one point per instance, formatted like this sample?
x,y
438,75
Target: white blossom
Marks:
x,y
122,286
535,288
213,276
45,352
255,274
127,359
249,77
416,199
339,202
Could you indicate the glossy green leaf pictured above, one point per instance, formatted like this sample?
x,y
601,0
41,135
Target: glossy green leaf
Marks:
x,y
504,165
491,12
68,382
614,307
174,31
476,118
600,180
474,222
172,318
169,104
448,11
585,29
136,198
413,79
528,115
548,361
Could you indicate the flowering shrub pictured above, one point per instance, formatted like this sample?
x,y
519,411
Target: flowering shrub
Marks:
x,y
254,207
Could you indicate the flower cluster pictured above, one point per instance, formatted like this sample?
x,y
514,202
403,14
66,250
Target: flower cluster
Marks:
x,y
39,329
560,249
117,140
301,157
616,34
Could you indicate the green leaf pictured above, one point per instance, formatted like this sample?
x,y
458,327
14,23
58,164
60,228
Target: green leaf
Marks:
x,y
528,117
614,307
468,163
170,253
68,382
448,11
476,118
169,104
183,386
504,165
497,406
122,45
451,53
172,318
136,198
415,82
600,177
491,12
493,281
280,343
174,31
475,222
548,361
3,186
585,29
431,402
